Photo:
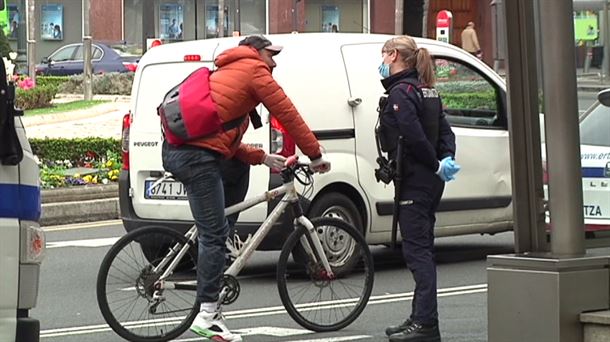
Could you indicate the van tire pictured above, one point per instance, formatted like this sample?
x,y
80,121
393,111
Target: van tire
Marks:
x,y
150,248
339,206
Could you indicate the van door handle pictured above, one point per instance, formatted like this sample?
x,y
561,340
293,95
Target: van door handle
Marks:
x,y
354,101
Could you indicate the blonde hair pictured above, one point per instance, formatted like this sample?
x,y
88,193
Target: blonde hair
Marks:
x,y
413,57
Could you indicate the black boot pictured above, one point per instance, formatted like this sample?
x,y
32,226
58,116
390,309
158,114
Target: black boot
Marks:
x,y
416,332
394,329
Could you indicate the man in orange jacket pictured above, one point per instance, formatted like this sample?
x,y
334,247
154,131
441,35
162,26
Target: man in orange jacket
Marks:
x,y
242,81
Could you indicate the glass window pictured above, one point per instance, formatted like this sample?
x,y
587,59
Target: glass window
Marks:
x,y
96,53
595,126
335,16
468,98
64,54
252,17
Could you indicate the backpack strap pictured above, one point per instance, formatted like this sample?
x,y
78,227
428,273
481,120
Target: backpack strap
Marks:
x,y
255,118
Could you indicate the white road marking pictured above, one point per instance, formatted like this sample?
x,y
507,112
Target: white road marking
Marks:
x,y
74,226
273,331
101,242
335,339
268,311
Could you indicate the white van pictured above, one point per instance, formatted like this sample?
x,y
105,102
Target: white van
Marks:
x,y
22,242
332,79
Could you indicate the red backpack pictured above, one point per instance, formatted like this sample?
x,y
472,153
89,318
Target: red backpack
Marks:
x,y
188,111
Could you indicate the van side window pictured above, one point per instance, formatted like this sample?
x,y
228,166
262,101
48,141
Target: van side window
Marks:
x,y
468,98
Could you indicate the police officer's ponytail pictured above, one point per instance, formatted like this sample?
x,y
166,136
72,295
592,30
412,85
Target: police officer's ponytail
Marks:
x,y
425,67
414,57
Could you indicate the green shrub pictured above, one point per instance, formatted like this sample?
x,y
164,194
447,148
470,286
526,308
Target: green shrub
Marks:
x,y
463,87
481,100
55,81
37,97
112,83
75,150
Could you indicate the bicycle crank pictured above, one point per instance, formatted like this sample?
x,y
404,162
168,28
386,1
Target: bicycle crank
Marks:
x,y
230,289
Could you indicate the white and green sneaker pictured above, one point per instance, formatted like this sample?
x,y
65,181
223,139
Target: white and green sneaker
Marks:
x,y
212,325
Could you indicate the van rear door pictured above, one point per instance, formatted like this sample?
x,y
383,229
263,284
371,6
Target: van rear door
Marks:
x,y
170,203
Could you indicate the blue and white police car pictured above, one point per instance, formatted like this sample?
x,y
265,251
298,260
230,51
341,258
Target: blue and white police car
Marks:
x,y
22,241
595,160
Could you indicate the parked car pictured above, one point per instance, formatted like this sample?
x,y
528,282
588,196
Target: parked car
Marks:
x,y
68,60
595,165
334,83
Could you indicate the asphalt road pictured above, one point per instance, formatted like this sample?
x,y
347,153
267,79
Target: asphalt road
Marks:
x,y
68,311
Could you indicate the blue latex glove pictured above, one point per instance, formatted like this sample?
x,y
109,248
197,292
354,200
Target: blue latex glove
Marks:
x,y
447,169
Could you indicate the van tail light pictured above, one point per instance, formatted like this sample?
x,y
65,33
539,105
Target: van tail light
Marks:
x,y
192,58
33,243
130,66
281,142
125,140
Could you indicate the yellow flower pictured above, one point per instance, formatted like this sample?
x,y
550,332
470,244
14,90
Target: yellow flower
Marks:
x,y
87,179
77,175
109,163
94,180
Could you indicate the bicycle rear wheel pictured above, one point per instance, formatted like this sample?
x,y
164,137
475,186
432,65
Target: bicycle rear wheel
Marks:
x,y
125,287
312,298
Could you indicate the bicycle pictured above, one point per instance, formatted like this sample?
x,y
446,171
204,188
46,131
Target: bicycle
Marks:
x,y
148,299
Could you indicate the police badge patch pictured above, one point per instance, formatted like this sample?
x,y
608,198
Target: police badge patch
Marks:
x,y
395,107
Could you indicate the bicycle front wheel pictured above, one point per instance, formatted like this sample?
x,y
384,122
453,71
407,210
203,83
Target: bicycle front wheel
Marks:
x,y
314,299
126,287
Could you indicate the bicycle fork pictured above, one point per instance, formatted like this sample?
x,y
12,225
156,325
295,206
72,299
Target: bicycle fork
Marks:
x,y
317,253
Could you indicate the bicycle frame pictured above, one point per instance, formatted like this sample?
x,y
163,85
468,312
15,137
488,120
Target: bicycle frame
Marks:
x,y
249,246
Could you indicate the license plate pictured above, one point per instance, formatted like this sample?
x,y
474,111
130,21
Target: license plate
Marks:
x,y
166,190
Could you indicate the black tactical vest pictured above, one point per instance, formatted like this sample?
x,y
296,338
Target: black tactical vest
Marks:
x,y
429,116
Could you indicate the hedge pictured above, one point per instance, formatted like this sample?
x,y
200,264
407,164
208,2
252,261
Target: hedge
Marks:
x,y
112,83
37,97
55,81
482,100
73,149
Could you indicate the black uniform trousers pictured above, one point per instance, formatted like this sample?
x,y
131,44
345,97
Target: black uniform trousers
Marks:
x,y
421,192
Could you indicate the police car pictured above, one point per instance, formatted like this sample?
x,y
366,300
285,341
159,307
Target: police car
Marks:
x,y
22,242
595,160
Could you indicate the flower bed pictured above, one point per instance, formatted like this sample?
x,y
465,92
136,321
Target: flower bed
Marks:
x,y
73,162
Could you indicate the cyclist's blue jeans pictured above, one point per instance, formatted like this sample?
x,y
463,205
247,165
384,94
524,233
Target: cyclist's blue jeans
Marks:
x,y
199,171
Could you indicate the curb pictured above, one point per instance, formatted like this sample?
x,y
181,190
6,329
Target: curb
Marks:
x,y
80,204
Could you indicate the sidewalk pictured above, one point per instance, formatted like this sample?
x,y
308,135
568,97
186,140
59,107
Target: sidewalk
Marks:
x,y
103,120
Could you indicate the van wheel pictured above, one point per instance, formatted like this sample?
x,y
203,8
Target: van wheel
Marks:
x,y
346,253
152,249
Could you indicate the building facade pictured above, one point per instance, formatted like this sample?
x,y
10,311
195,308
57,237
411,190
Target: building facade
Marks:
x,y
59,22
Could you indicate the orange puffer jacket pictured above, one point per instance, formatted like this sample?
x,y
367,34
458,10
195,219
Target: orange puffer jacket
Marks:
x,y
242,81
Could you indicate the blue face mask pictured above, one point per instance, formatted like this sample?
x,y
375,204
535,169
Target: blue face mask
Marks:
x,y
384,70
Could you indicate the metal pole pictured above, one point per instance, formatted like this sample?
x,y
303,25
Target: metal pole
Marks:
x,y
398,15
88,72
524,128
606,31
295,27
561,120
221,18
31,38
237,26
424,31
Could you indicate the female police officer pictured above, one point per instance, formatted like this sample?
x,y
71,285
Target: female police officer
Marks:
x,y
413,111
